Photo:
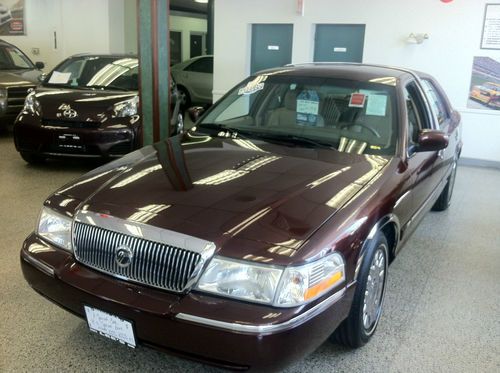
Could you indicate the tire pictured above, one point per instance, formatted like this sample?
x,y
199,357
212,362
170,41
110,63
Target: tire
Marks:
x,y
32,158
185,98
444,199
357,329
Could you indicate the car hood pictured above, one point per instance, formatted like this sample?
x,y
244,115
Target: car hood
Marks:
x,y
90,105
246,196
16,78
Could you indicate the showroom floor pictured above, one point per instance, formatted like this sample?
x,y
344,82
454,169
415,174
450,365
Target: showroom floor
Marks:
x,y
441,310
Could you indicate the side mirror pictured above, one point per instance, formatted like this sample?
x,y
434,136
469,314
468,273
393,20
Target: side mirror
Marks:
x,y
195,113
431,141
39,65
41,77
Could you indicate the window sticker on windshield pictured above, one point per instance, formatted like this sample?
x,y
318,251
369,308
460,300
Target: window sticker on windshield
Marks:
x,y
376,105
307,108
253,86
357,100
59,78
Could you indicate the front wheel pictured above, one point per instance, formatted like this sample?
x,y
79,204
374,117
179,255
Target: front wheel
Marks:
x,y
366,309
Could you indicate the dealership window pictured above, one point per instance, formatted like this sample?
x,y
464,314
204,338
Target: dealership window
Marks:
x,y
435,100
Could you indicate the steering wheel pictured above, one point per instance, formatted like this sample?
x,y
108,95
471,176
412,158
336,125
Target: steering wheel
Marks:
x,y
364,126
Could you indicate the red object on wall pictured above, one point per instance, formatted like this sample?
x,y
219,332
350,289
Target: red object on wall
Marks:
x,y
446,1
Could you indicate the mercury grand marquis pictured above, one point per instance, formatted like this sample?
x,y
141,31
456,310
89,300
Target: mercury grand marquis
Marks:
x,y
268,228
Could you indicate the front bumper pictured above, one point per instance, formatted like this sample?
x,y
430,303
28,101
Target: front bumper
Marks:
x,y
115,139
210,329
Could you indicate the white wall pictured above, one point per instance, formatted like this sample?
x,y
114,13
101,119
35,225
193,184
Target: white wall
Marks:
x,y
454,30
93,26
182,23
186,25
42,18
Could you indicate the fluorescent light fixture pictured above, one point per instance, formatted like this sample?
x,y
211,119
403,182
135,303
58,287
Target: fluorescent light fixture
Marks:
x,y
201,1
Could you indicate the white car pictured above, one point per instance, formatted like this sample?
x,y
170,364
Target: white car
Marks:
x,y
194,79
5,14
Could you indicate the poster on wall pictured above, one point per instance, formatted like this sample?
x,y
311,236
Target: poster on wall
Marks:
x,y
484,92
12,17
491,27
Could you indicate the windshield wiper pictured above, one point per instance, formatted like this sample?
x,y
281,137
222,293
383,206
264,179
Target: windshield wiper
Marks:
x,y
295,139
111,87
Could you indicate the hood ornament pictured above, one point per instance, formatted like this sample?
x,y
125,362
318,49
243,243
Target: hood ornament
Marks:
x,y
123,256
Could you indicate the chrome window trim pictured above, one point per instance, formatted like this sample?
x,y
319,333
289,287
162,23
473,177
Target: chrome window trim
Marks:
x,y
265,328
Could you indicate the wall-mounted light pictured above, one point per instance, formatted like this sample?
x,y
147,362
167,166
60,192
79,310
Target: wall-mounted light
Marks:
x,y
414,38
201,1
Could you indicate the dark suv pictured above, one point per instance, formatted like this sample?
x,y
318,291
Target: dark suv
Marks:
x,y
17,76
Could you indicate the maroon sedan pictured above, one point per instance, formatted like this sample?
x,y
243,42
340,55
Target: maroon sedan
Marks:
x,y
266,229
86,107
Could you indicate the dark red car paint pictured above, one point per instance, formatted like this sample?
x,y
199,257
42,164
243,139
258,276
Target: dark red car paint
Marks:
x,y
289,217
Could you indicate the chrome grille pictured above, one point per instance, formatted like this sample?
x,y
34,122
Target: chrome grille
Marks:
x,y
153,263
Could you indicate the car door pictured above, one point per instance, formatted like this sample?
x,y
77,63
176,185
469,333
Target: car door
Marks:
x,y
448,122
420,164
199,77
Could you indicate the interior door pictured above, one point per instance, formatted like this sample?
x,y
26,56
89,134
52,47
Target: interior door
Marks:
x,y
195,45
339,43
271,46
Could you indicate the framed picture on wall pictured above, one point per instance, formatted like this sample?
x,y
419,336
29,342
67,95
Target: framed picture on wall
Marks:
x,y
484,91
12,17
490,38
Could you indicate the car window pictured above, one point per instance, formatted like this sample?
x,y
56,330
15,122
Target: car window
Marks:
x,y
349,115
202,65
13,58
416,115
96,72
435,100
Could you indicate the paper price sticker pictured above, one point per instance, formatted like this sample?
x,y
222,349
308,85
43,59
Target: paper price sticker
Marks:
x,y
357,100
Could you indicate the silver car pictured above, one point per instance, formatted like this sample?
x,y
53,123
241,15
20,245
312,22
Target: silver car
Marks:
x,y
194,79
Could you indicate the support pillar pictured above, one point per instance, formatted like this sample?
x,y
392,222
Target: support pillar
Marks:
x,y
154,68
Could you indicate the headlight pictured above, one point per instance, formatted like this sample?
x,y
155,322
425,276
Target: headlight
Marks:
x,y
281,287
303,284
126,108
31,104
55,228
256,283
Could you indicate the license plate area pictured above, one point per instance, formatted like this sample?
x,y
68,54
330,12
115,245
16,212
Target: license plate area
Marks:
x,y
69,142
110,326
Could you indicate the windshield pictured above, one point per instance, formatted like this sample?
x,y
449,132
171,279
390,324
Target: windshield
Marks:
x,y
87,72
350,116
12,58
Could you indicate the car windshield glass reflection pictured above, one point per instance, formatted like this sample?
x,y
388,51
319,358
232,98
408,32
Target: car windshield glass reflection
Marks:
x,y
350,116
111,73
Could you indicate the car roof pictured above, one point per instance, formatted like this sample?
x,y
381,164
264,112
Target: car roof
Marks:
x,y
352,71
117,55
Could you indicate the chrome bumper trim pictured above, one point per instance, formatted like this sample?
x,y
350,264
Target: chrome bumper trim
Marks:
x,y
45,268
265,328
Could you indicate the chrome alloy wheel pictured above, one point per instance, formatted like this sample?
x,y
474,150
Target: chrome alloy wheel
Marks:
x,y
374,290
